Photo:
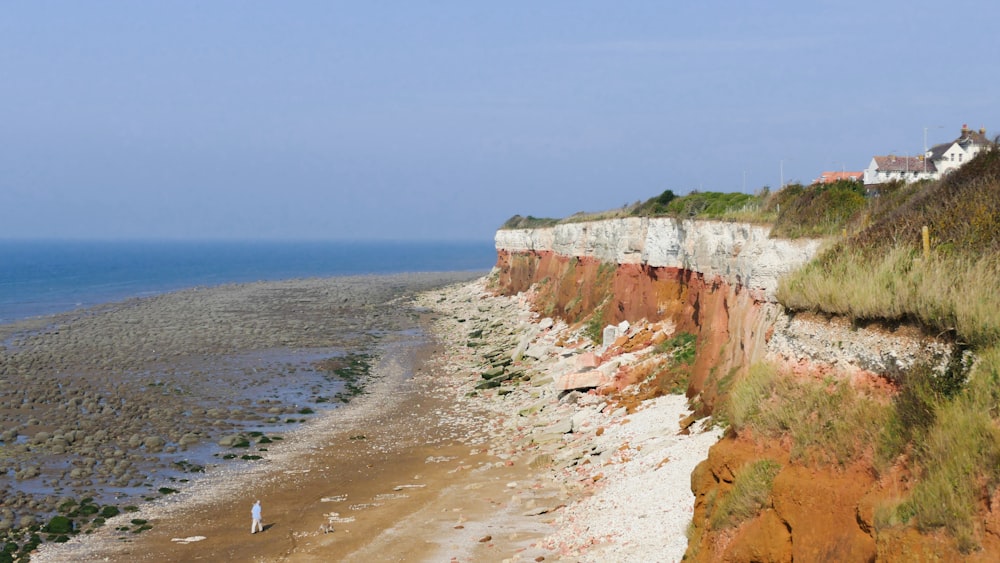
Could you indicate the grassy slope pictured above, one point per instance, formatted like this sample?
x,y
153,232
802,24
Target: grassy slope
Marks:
x,y
945,427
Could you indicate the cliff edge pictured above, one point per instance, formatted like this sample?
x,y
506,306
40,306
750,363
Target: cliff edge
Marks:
x,y
717,281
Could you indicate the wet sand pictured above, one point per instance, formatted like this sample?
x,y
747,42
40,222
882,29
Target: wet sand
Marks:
x,y
399,474
127,402
426,467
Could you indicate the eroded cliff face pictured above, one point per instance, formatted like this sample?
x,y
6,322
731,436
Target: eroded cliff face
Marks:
x,y
712,279
717,281
733,253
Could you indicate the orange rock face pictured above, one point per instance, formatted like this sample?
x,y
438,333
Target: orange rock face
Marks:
x,y
813,513
729,323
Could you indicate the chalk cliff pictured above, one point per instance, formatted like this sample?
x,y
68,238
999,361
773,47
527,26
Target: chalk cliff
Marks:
x,y
711,278
735,253
718,281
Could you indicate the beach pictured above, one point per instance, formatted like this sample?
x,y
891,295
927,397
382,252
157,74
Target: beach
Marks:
x,y
425,467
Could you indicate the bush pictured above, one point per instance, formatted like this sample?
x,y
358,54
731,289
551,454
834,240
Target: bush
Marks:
x,y
655,206
529,222
59,525
819,210
958,457
681,348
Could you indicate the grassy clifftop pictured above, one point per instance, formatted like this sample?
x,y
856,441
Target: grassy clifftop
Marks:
x,y
941,428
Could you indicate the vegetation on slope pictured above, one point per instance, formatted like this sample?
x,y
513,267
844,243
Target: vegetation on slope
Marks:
x,y
880,272
795,211
943,427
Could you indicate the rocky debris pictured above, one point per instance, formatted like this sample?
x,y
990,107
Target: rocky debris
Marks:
x,y
619,480
585,380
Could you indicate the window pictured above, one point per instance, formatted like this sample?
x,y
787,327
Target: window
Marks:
x,y
960,157
953,157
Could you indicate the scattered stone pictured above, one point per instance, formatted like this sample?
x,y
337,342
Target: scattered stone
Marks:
x,y
583,380
187,540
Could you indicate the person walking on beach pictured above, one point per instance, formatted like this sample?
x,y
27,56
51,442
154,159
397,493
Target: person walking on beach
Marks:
x,y
255,524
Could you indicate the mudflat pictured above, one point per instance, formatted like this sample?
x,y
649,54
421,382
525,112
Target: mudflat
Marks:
x,y
121,407
435,461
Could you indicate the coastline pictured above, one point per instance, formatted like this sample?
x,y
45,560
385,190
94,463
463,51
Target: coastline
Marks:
x,y
442,472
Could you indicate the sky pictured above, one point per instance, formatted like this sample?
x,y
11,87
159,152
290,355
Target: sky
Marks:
x,y
440,120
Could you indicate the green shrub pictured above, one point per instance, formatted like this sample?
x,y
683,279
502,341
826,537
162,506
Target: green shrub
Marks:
x,y
958,456
681,347
59,525
819,210
655,206
529,222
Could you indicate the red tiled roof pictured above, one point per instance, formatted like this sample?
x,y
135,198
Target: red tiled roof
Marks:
x,y
831,177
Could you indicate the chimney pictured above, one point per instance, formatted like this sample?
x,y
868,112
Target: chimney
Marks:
x,y
982,130
965,128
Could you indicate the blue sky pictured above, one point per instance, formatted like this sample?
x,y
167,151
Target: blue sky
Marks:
x,y
439,120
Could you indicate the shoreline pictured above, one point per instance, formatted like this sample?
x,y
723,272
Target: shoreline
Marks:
x,y
514,473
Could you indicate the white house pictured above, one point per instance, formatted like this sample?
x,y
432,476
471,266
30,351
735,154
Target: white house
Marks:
x,y
909,169
949,156
936,162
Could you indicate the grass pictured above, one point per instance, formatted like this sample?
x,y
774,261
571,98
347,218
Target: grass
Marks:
x,y
946,432
680,347
956,451
817,211
959,295
750,494
881,272
828,422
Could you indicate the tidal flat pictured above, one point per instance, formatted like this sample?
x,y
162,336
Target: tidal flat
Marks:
x,y
105,408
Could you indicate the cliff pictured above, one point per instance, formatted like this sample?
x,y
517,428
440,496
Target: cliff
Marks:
x,y
736,254
718,281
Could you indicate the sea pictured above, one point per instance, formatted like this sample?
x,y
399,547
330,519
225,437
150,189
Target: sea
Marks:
x,y
45,277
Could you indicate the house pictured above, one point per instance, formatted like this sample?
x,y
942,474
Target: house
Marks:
x,y
933,164
890,168
949,156
831,177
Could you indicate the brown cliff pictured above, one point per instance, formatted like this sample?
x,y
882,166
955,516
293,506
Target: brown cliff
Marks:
x,y
815,511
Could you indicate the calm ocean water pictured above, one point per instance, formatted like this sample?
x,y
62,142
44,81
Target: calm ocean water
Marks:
x,y
46,277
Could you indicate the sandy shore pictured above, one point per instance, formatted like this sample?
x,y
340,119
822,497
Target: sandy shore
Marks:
x,y
427,468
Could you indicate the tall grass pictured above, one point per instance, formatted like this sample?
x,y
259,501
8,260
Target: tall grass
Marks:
x,y
827,421
955,294
957,457
750,494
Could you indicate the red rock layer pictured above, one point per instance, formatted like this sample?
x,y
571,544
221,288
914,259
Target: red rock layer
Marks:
x,y
816,514
730,324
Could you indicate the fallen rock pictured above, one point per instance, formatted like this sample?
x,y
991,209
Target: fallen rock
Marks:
x,y
581,380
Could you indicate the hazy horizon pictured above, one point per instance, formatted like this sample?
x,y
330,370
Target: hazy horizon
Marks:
x,y
400,121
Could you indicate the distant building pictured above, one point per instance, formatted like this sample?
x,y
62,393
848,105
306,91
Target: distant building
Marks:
x,y
831,177
949,156
908,169
936,162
